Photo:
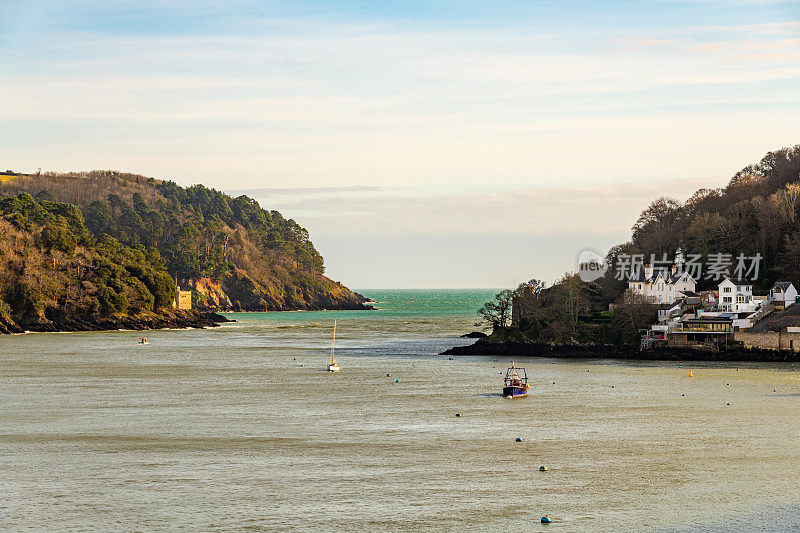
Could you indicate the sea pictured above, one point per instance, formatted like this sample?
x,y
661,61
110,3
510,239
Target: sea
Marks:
x,y
240,428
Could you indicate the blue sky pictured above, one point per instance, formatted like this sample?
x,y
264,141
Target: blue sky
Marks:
x,y
450,143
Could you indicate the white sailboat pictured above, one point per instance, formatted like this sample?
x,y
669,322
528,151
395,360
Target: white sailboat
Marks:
x,y
333,366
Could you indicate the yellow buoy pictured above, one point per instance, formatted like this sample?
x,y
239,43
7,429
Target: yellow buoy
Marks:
x,y
690,374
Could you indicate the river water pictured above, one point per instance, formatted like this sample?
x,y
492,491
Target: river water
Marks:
x,y
240,428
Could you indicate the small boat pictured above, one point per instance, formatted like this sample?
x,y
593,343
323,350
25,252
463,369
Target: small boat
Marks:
x,y
143,341
333,366
516,382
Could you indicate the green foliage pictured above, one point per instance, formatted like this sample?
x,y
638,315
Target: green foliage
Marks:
x,y
124,276
267,260
197,231
58,237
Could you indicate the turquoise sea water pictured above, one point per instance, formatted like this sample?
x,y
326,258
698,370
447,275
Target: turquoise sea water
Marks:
x,y
420,322
240,428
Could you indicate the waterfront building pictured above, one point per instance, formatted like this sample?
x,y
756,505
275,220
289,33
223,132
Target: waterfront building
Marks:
x,y
783,294
736,296
662,286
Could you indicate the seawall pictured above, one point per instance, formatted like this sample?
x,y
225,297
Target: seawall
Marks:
x,y
489,346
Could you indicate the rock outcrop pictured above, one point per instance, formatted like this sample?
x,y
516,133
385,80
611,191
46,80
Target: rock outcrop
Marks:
x,y
239,292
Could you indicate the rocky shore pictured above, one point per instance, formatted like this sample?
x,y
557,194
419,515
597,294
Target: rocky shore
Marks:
x,y
489,346
168,320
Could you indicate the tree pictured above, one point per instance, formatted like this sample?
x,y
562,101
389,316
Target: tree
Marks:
x,y
497,313
532,286
658,226
786,202
632,314
524,301
571,300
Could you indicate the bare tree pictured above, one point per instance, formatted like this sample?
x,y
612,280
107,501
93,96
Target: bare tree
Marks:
x,y
632,314
497,312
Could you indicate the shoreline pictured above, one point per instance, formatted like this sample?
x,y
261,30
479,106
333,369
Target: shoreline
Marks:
x,y
170,320
488,347
232,312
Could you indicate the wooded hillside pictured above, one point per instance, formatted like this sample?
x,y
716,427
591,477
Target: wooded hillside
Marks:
x,y
234,254
758,212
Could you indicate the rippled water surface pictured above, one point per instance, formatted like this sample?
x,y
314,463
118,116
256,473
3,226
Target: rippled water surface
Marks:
x,y
239,427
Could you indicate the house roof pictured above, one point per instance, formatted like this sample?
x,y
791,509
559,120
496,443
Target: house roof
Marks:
x,y
639,276
674,278
738,282
690,294
783,285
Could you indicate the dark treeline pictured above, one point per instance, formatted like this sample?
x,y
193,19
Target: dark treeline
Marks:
x,y
757,213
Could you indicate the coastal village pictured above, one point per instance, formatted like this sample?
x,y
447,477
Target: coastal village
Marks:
x,y
729,315
671,311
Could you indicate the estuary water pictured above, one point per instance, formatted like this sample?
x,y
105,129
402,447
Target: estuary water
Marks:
x,y
240,428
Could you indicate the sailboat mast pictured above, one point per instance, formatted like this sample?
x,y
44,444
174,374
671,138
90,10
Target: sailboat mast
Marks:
x,y
333,344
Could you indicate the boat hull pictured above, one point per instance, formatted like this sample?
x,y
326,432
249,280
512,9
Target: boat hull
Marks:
x,y
515,392
333,368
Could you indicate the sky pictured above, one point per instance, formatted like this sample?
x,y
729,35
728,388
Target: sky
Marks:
x,y
422,143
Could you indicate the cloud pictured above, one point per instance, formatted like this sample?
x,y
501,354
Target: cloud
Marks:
x,y
302,191
541,211
480,238
526,121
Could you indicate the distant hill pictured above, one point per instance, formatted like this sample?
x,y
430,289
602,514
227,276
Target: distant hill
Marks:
x,y
120,240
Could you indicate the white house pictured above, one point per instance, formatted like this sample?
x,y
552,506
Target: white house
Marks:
x,y
661,287
782,294
736,296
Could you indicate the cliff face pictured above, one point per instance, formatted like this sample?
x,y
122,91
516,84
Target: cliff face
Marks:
x,y
231,252
239,292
